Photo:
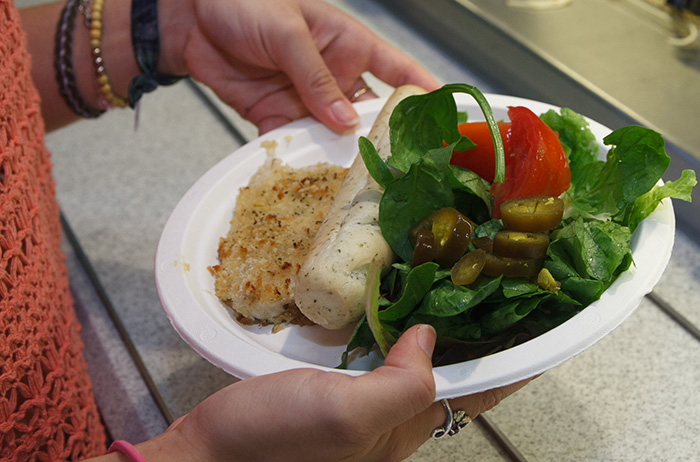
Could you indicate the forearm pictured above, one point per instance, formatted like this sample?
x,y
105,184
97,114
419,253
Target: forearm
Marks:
x,y
40,23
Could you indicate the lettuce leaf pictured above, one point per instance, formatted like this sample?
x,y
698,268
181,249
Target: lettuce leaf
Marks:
x,y
645,204
578,141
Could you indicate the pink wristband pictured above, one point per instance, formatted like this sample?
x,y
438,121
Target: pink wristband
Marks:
x,y
127,449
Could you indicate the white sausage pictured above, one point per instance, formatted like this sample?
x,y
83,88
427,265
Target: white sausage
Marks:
x,y
330,285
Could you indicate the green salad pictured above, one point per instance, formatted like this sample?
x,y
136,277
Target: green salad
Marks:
x,y
588,249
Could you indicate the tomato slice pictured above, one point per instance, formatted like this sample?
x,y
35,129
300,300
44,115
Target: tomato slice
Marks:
x,y
535,160
480,159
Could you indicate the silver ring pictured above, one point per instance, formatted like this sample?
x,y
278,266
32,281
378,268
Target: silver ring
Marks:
x,y
365,88
454,422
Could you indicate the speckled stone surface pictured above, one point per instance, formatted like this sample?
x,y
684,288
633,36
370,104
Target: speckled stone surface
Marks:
x,y
126,405
679,283
631,397
471,444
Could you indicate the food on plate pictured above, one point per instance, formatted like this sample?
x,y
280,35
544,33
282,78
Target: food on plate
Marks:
x,y
330,286
275,219
492,240
552,223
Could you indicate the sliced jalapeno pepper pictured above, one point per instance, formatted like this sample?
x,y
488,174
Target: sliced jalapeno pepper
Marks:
x,y
534,213
512,267
484,243
452,232
423,248
468,268
520,244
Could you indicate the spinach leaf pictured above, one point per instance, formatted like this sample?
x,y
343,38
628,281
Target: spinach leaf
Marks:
x,y
472,195
507,313
361,337
456,327
518,287
423,190
489,228
447,299
384,339
376,166
585,291
519,298
417,283
420,123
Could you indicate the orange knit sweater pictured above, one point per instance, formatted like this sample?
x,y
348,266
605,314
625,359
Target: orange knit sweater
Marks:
x,y
47,411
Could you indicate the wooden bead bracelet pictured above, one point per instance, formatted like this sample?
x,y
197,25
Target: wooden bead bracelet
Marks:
x,y
95,25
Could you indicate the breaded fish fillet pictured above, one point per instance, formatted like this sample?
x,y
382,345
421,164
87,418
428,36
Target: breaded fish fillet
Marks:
x,y
275,219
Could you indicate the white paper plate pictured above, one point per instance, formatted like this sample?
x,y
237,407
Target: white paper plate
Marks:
x,y
188,246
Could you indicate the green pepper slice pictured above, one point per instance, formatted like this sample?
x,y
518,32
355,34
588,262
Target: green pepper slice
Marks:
x,y
533,213
512,267
520,244
484,243
452,233
468,268
423,248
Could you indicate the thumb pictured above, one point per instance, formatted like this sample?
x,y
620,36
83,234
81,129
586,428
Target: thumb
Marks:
x,y
414,349
404,386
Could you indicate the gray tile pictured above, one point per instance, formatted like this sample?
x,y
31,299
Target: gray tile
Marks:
x,y
680,283
126,405
627,398
472,443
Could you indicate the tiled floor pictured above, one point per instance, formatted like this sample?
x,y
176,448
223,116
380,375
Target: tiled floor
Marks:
x,y
631,397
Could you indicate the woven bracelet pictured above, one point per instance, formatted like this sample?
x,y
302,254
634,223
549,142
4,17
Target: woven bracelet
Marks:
x,y
146,43
63,64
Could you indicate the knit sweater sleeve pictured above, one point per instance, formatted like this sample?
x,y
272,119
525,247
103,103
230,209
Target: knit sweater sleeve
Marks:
x,y
47,410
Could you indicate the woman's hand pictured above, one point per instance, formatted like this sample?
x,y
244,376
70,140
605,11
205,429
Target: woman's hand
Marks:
x,y
275,61
305,414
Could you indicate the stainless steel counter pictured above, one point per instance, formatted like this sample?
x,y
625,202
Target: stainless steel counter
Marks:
x,y
630,397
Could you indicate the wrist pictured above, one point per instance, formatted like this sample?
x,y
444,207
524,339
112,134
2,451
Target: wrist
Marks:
x,y
172,445
176,18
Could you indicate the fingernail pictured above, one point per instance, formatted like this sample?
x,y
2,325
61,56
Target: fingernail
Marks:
x,y
345,113
426,338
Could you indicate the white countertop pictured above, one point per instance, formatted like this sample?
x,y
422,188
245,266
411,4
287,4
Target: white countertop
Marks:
x,y
630,397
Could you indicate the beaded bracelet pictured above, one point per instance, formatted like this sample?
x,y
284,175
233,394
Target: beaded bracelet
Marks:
x,y
63,64
146,43
93,18
127,449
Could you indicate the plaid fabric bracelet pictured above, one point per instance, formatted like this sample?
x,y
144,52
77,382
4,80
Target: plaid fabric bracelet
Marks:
x,y
63,63
146,43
